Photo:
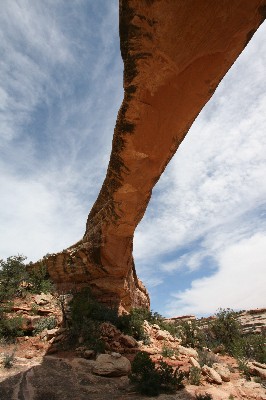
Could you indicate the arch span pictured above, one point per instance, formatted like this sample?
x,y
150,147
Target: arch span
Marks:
x,y
175,54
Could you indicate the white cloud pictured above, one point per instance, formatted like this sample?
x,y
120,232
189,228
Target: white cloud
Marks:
x,y
239,282
60,90
213,193
217,173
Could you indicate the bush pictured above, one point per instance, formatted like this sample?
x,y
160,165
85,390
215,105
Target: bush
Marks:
x,y
86,316
194,376
12,274
132,323
38,280
151,380
9,359
10,328
15,280
167,351
45,323
226,328
191,334
243,367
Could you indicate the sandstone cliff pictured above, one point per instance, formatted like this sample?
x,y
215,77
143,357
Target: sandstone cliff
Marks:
x,y
175,53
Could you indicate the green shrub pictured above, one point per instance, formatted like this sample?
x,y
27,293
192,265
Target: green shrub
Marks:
x,y
190,333
9,359
243,367
194,376
226,328
16,280
45,323
151,380
86,316
132,323
10,328
38,280
167,352
12,274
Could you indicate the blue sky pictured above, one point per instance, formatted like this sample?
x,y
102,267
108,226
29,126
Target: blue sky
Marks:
x,y
202,242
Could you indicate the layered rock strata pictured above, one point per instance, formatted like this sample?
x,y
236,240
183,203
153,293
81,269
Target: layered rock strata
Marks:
x,y
175,54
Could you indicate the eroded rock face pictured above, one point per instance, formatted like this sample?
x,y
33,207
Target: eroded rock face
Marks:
x,y
175,54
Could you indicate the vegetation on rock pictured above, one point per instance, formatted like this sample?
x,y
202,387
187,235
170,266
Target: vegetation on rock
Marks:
x,y
151,380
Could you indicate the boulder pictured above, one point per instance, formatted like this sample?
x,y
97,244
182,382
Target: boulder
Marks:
x,y
128,341
254,369
50,333
43,299
194,362
111,365
188,351
223,371
211,374
164,335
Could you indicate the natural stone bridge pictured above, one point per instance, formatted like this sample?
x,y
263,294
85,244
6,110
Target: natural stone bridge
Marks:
x,y
175,54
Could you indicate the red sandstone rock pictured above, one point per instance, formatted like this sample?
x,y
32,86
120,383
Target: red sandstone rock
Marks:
x,y
175,53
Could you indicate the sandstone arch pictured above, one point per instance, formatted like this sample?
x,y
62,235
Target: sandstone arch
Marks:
x,y
175,53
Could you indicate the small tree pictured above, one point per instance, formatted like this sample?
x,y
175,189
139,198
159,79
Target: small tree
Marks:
x,y
226,328
12,274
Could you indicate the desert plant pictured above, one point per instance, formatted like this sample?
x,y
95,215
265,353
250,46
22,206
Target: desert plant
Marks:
x,y
12,274
206,396
45,323
132,323
10,328
38,280
190,333
151,380
226,328
167,351
9,359
16,280
194,376
86,316
243,367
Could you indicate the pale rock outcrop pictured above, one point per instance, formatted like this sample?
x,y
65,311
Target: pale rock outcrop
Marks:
x,y
164,335
257,369
223,371
111,365
253,321
188,351
175,54
128,341
194,362
43,299
211,375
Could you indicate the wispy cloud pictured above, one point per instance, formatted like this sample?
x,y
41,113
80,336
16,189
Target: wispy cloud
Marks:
x,y
60,91
61,88
239,282
212,195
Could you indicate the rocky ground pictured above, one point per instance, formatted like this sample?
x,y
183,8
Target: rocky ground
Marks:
x,y
41,369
